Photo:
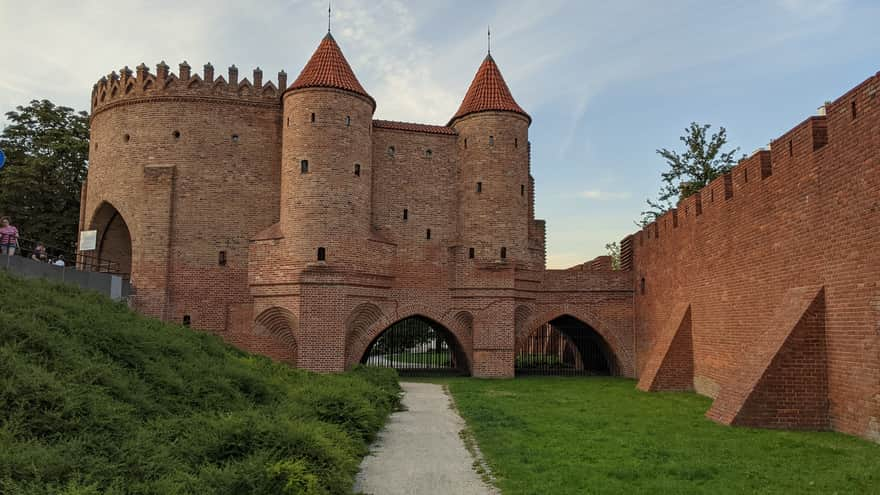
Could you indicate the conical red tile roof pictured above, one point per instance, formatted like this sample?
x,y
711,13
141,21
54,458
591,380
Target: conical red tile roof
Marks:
x,y
328,69
488,91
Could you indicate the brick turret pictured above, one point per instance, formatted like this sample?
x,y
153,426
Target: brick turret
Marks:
x,y
326,161
494,180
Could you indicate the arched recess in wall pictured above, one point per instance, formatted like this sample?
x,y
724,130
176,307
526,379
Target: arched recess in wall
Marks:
x,y
113,247
281,325
457,330
357,325
595,324
565,345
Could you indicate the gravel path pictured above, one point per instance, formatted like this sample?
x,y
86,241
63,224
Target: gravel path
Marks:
x,y
420,452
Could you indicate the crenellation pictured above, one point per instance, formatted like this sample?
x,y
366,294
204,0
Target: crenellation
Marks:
x,y
184,71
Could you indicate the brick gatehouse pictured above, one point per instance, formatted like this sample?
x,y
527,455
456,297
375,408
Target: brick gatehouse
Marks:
x,y
288,221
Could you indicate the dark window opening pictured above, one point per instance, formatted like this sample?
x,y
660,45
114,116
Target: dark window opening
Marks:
x,y
471,253
465,143
790,148
322,254
304,166
313,116
504,253
522,189
347,120
852,109
642,286
221,258
515,142
288,121
712,195
491,140
186,320
405,213
479,187
428,235
96,146
357,169
428,153
746,174
391,151
176,134
127,138
235,138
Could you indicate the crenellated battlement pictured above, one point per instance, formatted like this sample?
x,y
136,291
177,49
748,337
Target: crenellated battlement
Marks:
x,y
129,86
790,161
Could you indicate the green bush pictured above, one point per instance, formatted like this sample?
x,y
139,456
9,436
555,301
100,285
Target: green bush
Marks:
x,y
97,399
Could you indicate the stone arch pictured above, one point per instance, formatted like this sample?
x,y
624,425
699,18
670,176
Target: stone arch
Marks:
x,y
461,334
113,249
615,344
520,317
282,325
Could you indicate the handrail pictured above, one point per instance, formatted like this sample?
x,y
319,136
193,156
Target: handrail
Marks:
x,y
83,260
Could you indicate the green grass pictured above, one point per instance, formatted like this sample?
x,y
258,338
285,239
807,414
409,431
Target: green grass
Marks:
x,y
95,399
601,435
427,358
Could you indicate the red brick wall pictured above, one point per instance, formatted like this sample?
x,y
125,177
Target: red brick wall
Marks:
x,y
804,214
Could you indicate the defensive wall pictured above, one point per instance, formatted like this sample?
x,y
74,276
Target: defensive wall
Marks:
x,y
762,289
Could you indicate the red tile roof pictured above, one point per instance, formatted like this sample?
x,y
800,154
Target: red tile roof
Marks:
x,y
409,126
328,69
488,91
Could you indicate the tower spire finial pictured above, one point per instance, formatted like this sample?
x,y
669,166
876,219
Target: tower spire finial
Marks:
x,y
489,39
328,15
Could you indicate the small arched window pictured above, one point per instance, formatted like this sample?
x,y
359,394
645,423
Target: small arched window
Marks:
x,y
479,187
391,151
465,143
221,258
471,253
642,286
186,320
235,138
347,120
428,234
515,142
304,166
357,169
491,140
176,134
429,153
322,254
313,116
504,253
405,213
126,138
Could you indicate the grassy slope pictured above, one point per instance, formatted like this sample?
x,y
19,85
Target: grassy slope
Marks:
x,y
600,435
96,399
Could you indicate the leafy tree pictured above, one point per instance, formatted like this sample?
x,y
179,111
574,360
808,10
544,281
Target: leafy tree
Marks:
x,y
702,161
47,150
613,249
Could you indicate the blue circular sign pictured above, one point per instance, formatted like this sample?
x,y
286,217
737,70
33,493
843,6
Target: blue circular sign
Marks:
x,y
2,158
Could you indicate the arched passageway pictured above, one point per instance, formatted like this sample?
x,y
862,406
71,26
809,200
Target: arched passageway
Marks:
x,y
565,346
417,345
113,249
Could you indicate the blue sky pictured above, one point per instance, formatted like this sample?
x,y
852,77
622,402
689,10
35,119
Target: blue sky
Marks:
x,y
607,83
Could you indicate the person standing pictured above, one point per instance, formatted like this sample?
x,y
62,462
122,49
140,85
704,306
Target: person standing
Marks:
x,y
8,238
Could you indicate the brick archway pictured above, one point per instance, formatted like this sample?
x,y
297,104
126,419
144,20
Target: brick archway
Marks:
x,y
113,250
281,325
614,342
357,344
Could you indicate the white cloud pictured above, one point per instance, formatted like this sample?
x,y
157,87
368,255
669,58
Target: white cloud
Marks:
x,y
600,195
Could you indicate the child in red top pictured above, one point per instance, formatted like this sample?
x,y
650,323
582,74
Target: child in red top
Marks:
x,y
8,238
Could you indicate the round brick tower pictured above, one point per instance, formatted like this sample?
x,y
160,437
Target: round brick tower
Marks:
x,y
326,161
493,139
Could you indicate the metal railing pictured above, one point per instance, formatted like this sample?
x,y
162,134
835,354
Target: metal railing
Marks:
x,y
83,260
415,346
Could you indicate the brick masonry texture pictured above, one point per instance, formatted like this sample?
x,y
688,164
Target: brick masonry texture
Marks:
x,y
803,216
198,186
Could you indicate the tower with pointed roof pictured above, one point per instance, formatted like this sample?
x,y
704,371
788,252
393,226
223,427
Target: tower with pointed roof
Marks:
x,y
494,190
326,160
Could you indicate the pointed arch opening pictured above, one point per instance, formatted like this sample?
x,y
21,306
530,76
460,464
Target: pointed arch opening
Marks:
x,y
565,346
113,248
417,345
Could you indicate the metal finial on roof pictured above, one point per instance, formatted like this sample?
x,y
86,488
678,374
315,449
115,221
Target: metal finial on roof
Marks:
x,y
328,15
489,39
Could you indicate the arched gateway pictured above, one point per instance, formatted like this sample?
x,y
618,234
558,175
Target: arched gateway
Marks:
x,y
565,346
417,345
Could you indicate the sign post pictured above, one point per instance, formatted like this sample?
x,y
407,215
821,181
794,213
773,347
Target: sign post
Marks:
x,y
2,159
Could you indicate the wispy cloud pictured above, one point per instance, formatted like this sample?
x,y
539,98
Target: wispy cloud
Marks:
x,y
600,195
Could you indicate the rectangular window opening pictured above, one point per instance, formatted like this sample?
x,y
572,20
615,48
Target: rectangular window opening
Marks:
x,y
405,213
471,253
479,187
504,253
322,254
187,320
522,189
428,234
304,166
853,110
221,258
357,169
